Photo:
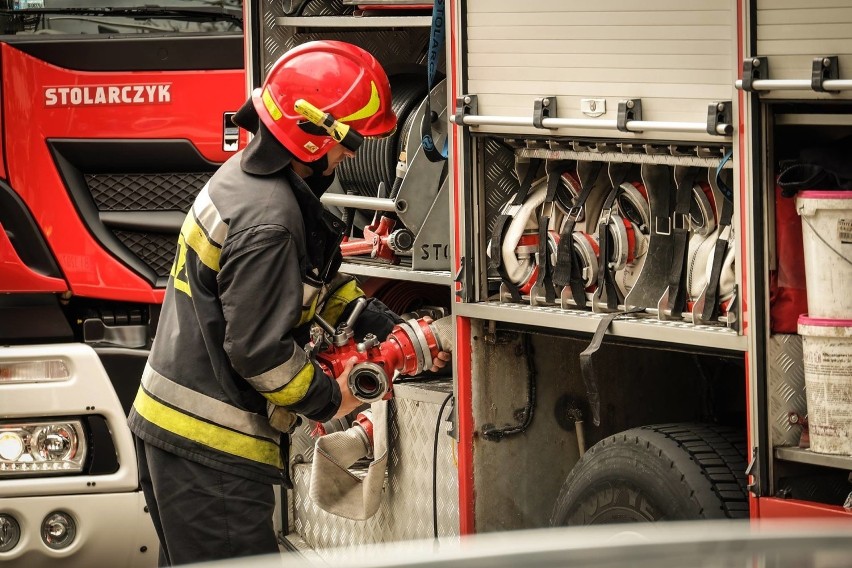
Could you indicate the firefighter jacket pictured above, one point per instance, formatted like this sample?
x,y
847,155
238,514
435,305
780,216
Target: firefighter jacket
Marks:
x,y
257,257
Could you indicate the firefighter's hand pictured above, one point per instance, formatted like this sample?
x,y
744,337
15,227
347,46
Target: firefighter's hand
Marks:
x,y
440,361
348,402
443,357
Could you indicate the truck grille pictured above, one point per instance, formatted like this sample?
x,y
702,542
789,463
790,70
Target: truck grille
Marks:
x,y
133,195
145,192
149,192
157,250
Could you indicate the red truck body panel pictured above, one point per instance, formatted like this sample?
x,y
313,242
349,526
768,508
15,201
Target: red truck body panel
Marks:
x,y
43,102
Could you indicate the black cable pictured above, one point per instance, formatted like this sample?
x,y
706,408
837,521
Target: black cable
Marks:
x,y
435,468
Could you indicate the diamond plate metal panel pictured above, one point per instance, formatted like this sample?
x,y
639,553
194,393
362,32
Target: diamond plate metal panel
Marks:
x,y
500,180
406,510
500,184
786,388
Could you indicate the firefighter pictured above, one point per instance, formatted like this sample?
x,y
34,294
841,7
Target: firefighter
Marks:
x,y
257,258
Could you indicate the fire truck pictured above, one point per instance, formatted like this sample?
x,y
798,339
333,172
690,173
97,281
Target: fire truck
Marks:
x,y
114,115
615,186
602,198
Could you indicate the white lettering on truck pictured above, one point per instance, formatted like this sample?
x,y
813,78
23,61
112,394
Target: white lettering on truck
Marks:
x,y
92,95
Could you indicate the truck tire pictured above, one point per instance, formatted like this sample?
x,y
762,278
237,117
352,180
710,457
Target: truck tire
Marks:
x,y
657,473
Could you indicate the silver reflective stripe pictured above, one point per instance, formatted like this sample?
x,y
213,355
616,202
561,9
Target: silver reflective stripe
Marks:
x,y
206,407
208,217
277,378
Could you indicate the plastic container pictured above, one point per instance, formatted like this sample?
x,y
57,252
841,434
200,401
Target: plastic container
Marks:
x,y
827,353
827,239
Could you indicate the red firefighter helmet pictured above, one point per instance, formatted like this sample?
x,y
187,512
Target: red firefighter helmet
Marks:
x,y
338,78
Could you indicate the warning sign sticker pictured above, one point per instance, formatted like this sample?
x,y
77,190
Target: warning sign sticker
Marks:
x,y
844,230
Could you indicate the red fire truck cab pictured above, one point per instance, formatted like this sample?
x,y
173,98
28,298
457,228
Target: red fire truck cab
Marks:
x,y
112,118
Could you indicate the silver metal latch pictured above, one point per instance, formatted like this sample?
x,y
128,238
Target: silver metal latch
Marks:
x,y
230,133
593,107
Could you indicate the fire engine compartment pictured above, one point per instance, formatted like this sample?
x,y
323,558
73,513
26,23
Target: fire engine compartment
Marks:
x,y
532,413
512,109
794,125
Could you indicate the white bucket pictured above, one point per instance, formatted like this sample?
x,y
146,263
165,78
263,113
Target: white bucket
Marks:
x,y
827,351
827,242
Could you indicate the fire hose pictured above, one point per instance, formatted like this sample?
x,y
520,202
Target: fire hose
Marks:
x,y
626,223
409,348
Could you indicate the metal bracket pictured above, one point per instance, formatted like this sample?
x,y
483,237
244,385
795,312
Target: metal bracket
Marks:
x,y
544,107
465,105
754,68
753,470
130,336
663,314
733,320
452,426
824,68
658,227
630,148
698,306
461,291
719,113
681,223
630,109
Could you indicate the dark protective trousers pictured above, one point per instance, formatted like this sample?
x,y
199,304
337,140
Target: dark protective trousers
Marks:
x,y
203,514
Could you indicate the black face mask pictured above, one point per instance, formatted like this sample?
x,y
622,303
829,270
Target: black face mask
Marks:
x,y
319,183
316,181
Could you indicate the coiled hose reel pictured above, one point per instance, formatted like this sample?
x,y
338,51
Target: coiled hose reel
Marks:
x,y
376,163
628,226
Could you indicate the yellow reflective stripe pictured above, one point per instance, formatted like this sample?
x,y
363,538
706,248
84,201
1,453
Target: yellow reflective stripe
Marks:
x,y
308,314
270,105
368,109
178,269
208,408
183,287
295,390
208,252
338,301
210,435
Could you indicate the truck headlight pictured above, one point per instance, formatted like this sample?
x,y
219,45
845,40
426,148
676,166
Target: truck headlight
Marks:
x,y
41,448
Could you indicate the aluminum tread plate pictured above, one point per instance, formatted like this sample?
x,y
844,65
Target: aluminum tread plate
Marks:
x,y
786,387
807,456
396,273
406,510
629,326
